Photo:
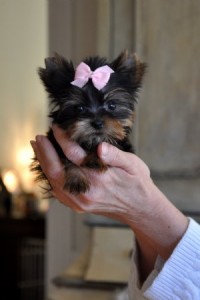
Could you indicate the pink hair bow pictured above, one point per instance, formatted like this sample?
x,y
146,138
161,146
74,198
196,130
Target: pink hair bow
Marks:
x,y
99,77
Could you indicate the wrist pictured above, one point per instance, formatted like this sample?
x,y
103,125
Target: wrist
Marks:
x,y
161,222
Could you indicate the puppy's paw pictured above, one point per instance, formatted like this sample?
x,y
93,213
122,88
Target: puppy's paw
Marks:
x,y
93,162
76,182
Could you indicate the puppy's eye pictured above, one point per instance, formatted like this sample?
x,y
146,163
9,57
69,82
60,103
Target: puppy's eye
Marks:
x,y
111,105
81,109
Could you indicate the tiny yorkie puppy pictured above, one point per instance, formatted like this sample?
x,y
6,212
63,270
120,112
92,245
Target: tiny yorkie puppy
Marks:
x,y
93,103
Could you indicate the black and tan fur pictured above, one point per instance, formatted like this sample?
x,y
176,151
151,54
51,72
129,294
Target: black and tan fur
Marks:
x,y
90,116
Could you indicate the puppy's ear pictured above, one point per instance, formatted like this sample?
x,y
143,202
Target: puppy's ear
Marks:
x,y
130,64
57,75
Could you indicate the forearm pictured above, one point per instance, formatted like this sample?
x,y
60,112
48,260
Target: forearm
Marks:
x,y
158,230
146,255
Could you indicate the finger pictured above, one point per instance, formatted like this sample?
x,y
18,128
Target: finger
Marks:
x,y
53,169
115,157
48,159
71,149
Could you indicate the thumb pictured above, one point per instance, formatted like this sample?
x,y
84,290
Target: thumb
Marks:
x,y
115,157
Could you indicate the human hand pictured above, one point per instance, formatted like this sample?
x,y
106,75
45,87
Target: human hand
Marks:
x,y
124,192
111,192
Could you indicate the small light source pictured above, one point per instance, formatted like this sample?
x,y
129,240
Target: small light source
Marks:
x,y
10,180
24,156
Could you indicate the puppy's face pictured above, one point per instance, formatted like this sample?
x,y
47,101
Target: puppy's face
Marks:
x,y
89,115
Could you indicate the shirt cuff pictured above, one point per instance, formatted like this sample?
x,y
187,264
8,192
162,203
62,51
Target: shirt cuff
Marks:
x,y
170,278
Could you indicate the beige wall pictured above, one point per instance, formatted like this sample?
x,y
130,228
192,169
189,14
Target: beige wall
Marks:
x,y
168,39
169,111
23,109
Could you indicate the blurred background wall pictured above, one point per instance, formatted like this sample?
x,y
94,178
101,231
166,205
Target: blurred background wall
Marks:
x,y
23,110
24,44
168,120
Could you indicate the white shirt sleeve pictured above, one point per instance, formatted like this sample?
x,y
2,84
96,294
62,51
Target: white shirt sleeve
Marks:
x,y
178,278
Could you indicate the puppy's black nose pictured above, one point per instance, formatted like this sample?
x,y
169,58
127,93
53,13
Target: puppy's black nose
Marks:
x,y
97,124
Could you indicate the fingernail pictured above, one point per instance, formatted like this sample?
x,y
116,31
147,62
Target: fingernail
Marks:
x,y
33,145
38,138
32,142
